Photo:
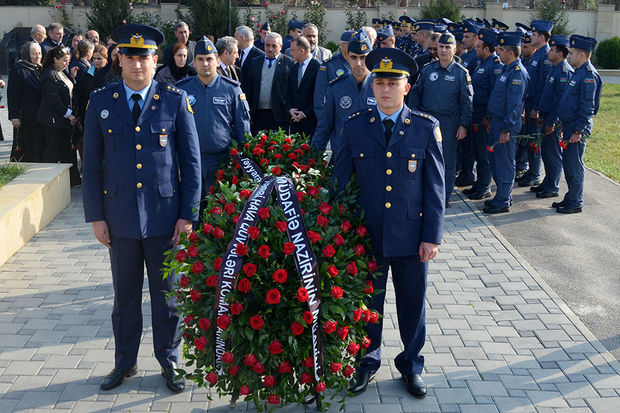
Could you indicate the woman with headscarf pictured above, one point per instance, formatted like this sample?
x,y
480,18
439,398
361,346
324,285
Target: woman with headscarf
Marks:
x,y
178,68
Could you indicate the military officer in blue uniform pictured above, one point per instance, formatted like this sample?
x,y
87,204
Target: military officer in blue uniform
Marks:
x,y
444,91
537,68
527,50
141,181
470,39
580,102
263,31
220,108
346,95
557,80
407,44
395,153
385,37
330,69
483,80
506,108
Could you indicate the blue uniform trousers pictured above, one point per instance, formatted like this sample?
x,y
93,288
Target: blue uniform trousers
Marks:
x,y
521,156
574,169
467,156
210,163
448,125
552,160
409,278
502,162
483,169
534,159
127,257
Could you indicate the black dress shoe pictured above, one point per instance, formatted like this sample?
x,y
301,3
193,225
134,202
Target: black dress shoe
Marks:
x,y
469,191
495,210
488,202
480,195
546,195
415,385
524,183
565,210
558,204
537,188
116,377
176,385
360,382
447,204
462,182
520,174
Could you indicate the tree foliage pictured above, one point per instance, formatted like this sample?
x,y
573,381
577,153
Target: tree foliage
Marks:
x,y
608,53
105,15
211,17
551,10
436,9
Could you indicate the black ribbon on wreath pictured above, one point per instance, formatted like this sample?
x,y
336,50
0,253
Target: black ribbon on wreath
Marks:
x,y
305,260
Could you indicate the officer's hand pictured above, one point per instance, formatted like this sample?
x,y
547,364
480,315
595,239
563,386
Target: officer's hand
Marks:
x,y
428,251
534,114
461,133
575,137
16,123
504,137
102,233
183,225
549,129
2,84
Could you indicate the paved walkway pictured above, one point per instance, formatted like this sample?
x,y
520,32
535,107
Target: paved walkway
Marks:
x,y
499,339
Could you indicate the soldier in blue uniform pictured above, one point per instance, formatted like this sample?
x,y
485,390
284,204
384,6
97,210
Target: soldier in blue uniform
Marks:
x,y
396,151
141,182
220,108
444,90
406,44
550,101
537,68
483,80
527,50
330,69
506,108
386,37
580,102
263,32
470,38
346,95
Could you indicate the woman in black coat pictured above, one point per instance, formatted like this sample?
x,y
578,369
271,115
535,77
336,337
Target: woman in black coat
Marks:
x,y
24,97
56,111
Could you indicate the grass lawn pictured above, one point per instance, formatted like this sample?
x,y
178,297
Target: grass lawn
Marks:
x,y
603,148
9,172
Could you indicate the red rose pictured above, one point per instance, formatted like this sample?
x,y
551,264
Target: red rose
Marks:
x,y
328,251
216,210
256,322
321,221
366,316
236,308
320,387
352,268
352,348
263,213
361,231
241,249
335,367
338,240
372,266
348,371
314,190
212,281
245,286
217,264
308,362
275,347
306,378
369,289
197,267
253,233
286,146
269,381
332,271
236,219
249,269
212,377
288,248
346,226
314,237
273,296
228,357
276,171
263,137
223,321
302,294
297,328
217,232
195,295
234,180
308,317
301,196
281,226
230,209
292,156
357,314
329,326
258,368
207,228
181,256
193,237
374,317
264,251
184,282
359,250
258,151
305,147
277,156
365,343
244,390
188,319
204,323
325,208
200,343
336,292
280,276
273,399
343,331
245,194
249,360
284,367
234,152
192,251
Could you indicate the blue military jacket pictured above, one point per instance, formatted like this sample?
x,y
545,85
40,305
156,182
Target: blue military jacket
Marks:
x,y
220,110
470,60
538,66
344,98
445,91
402,191
581,99
140,177
506,99
557,80
330,69
483,79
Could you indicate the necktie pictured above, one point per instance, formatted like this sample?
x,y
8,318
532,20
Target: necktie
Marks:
x,y
241,58
300,73
388,123
135,112
270,62
228,72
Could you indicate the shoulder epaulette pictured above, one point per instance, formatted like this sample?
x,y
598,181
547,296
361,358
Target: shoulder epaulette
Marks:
x,y
184,81
423,115
337,78
460,66
173,89
98,90
229,80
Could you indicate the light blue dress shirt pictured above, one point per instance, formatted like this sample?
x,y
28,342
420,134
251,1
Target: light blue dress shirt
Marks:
x,y
130,92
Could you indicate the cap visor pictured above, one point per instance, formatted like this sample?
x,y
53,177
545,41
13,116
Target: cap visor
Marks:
x,y
389,75
134,51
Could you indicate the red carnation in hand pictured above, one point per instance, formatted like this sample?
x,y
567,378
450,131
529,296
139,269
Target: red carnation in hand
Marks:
x,y
343,331
253,233
217,232
348,371
204,323
329,326
369,289
256,322
241,249
336,292
258,368
269,381
192,251
200,343
245,194
211,281
314,237
365,343
197,267
281,226
249,269
249,360
264,251
273,399
244,390
284,367
195,295
245,286
223,321
275,347
352,268
236,308
306,378
359,250
325,208
321,221
320,387
296,328
374,317
372,266
346,226
308,362
273,296
361,231
228,357
181,256
335,367
332,271
490,148
338,240
352,348
302,294
308,317
211,377
280,276
263,213
288,248
217,264
328,251
357,314
184,282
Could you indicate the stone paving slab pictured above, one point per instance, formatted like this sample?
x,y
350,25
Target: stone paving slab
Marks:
x,y
498,338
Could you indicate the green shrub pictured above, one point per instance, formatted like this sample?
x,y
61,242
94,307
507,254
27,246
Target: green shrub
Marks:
x,y
551,10
608,53
436,9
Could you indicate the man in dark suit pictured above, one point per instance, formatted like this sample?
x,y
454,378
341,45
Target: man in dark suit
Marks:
x,y
301,87
228,53
266,83
141,190
181,32
247,51
55,33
